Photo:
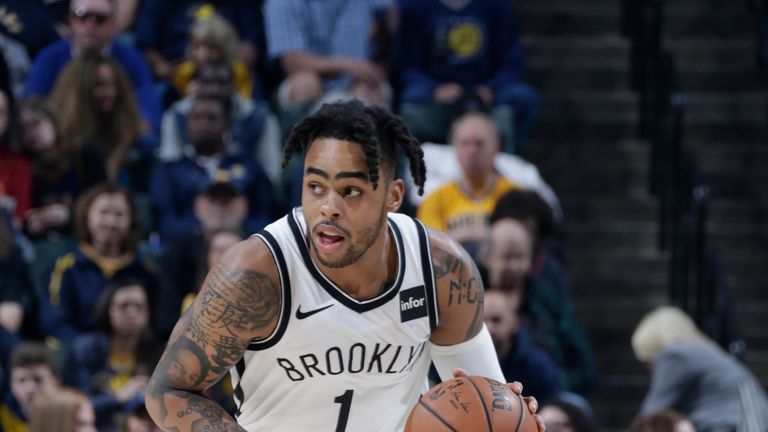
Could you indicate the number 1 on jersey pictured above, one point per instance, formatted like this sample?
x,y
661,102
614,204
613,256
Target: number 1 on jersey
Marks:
x,y
346,401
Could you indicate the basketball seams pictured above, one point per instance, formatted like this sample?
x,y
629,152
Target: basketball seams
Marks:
x,y
434,413
483,404
522,413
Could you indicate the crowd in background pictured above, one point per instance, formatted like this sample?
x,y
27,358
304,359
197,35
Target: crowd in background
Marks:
x,y
140,139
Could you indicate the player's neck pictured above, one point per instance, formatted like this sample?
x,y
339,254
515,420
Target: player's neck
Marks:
x,y
367,278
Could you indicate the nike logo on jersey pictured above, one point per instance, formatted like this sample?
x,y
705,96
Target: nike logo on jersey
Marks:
x,y
301,315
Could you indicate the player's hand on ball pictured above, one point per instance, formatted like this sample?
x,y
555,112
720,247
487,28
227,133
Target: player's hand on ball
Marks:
x,y
517,387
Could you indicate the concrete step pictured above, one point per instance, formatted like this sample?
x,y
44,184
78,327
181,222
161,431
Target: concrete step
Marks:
x,y
708,18
588,106
708,54
623,155
641,236
564,50
616,401
559,17
587,208
580,117
598,63
620,314
739,160
727,108
708,78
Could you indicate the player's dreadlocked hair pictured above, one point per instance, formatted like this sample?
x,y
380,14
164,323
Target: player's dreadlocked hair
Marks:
x,y
378,132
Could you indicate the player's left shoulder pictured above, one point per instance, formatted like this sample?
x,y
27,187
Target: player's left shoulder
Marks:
x,y
448,256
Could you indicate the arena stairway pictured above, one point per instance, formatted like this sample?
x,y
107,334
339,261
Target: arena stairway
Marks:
x,y
586,145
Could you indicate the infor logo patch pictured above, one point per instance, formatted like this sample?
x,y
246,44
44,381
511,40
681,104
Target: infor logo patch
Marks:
x,y
413,303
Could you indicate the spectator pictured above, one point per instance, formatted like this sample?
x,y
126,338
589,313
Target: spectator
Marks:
x,y
112,365
66,410
97,107
13,286
453,51
93,30
221,210
162,29
529,208
252,129
213,40
694,376
34,23
319,60
208,256
175,185
520,359
461,207
14,66
15,172
107,229
545,313
138,420
663,421
33,377
560,415
60,172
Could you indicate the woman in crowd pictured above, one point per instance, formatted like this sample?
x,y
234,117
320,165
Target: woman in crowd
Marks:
x,y
107,230
212,39
60,172
691,374
112,365
97,106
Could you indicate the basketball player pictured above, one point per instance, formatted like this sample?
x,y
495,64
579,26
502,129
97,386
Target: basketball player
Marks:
x,y
329,318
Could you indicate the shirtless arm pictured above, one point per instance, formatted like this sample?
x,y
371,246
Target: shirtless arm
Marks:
x,y
239,301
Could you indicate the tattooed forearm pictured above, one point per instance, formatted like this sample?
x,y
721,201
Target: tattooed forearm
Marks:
x,y
196,413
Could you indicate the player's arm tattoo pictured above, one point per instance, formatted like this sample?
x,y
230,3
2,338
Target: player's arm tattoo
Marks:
x,y
235,306
456,271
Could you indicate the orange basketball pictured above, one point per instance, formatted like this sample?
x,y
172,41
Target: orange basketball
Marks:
x,y
471,404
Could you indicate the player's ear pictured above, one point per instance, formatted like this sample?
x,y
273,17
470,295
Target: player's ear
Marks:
x,y
395,193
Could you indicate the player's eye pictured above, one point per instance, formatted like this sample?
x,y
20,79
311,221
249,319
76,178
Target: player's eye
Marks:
x,y
315,188
352,192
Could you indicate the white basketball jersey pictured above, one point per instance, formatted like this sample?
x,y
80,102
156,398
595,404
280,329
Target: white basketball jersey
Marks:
x,y
335,363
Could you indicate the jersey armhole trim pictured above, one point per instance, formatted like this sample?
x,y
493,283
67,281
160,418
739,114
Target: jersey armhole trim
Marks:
x,y
285,285
429,274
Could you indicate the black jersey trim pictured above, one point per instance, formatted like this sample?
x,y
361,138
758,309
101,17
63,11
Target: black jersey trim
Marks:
x,y
332,289
429,274
285,284
238,390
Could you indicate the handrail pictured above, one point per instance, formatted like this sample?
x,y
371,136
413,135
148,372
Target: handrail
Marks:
x,y
697,280
761,14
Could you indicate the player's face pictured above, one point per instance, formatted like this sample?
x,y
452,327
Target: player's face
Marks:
x,y
345,216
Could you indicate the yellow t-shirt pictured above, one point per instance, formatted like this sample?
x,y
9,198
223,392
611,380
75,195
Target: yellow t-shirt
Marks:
x,y
449,207
10,422
241,80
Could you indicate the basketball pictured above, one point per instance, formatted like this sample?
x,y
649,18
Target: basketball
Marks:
x,y
471,404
